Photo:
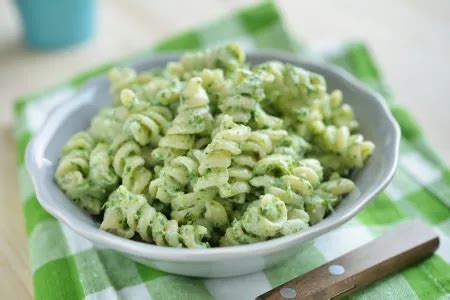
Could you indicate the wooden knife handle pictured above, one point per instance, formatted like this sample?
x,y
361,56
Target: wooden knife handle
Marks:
x,y
407,244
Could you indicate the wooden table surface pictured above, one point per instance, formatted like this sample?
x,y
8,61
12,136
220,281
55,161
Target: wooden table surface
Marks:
x,y
410,38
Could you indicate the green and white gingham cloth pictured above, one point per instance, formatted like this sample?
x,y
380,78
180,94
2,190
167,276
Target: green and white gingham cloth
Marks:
x,y
67,266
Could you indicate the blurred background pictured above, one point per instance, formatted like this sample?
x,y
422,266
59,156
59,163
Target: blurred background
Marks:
x,y
409,38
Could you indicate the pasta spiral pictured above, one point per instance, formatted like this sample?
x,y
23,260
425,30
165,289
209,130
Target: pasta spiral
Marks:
x,y
242,103
105,126
129,164
173,178
264,120
263,219
127,214
193,119
289,87
293,145
72,173
197,206
127,78
287,179
73,167
169,95
239,107
216,85
326,197
321,114
217,157
147,125
101,174
261,143
228,159
227,58
236,235
335,112
120,78
258,144
342,151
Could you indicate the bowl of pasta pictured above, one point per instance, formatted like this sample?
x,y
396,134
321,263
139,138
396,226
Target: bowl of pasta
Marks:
x,y
213,163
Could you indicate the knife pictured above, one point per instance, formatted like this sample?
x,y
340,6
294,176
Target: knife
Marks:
x,y
407,244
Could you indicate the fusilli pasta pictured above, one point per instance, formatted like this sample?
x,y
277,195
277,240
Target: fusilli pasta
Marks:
x,y
212,151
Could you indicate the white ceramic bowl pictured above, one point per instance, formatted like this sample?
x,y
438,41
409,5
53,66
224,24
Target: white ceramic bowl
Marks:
x,y
75,113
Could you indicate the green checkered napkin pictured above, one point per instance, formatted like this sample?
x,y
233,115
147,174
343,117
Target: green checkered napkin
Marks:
x,y
67,266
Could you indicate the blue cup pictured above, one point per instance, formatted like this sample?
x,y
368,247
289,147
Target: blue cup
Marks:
x,y
51,24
